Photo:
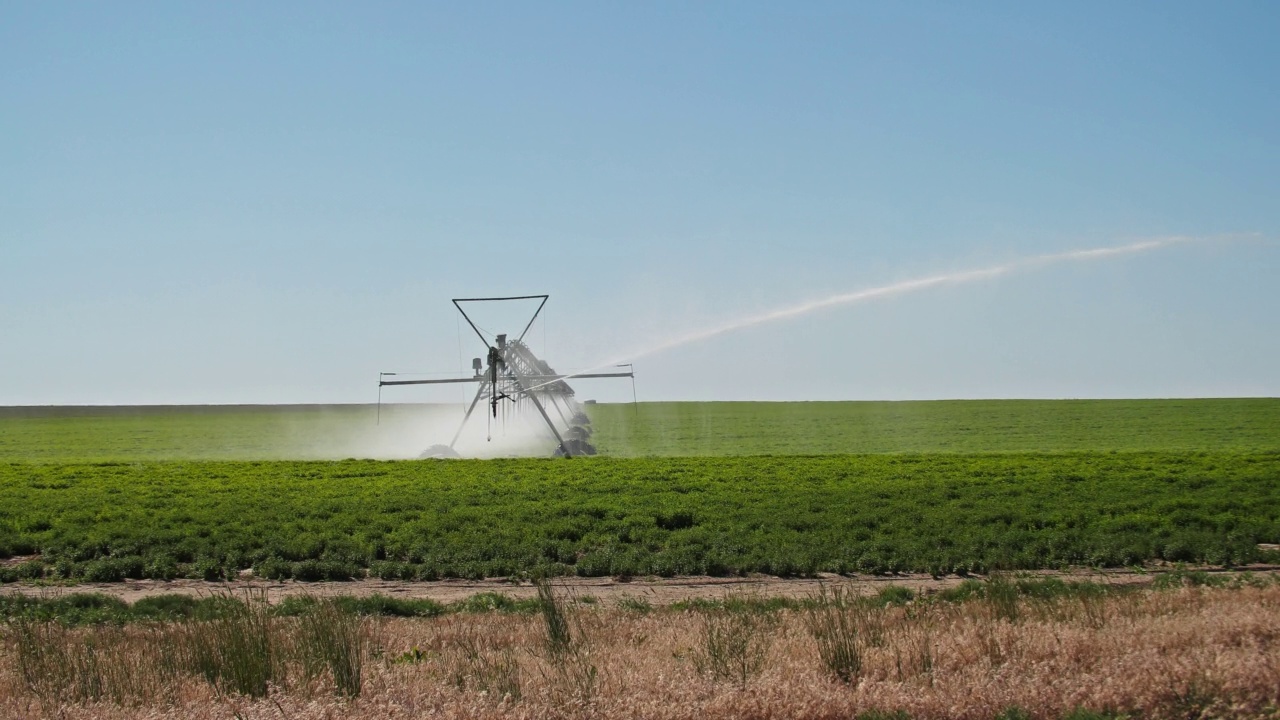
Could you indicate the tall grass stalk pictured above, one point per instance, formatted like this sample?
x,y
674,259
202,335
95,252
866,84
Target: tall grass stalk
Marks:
x,y
1001,595
568,653
554,618
333,640
236,652
478,663
833,620
59,664
735,644
914,647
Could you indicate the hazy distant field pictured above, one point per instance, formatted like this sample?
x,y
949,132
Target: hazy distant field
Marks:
x,y
245,432
658,429
965,426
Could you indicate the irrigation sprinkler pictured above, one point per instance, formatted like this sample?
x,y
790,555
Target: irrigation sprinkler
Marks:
x,y
635,402
513,379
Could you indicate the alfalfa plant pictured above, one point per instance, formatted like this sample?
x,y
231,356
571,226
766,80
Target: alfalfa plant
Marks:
x,y
834,620
332,639
735,644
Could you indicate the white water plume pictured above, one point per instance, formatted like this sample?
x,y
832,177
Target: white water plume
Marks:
x,y
398,431
901,288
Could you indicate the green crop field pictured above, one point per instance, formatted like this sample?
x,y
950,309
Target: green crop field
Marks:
x,y
603,516
780,488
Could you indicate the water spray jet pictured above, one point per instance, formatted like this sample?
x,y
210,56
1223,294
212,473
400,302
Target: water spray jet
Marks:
x,y
901,288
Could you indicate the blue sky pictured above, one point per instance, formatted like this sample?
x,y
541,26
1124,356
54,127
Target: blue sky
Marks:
x,y
271,202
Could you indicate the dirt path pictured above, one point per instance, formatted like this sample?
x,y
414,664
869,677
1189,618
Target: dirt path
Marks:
x,y
657,591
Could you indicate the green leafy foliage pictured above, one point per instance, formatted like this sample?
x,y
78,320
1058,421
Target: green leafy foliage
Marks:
x,y
107,494
789,516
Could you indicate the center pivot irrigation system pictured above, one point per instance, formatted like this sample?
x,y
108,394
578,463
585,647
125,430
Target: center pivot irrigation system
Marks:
x,y
512,373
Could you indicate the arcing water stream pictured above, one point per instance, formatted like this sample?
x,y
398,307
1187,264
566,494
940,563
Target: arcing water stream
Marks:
x,y
900,288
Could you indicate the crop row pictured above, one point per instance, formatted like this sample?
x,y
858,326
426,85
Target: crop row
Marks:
x,y
719,516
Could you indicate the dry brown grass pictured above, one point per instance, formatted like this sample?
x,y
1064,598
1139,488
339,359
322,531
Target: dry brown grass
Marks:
x,y
1193,652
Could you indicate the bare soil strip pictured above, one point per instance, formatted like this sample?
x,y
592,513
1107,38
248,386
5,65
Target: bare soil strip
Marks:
x,y
657,591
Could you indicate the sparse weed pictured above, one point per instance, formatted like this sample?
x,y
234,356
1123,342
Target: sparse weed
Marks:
x,y
1085,714
631,603
52,664
883,715
385,606
477,664
236,652
737,602
494,602
913,649
412,656
833,619
1001,596
735,645
895,595
567,649
332,639
555,620
1181,577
